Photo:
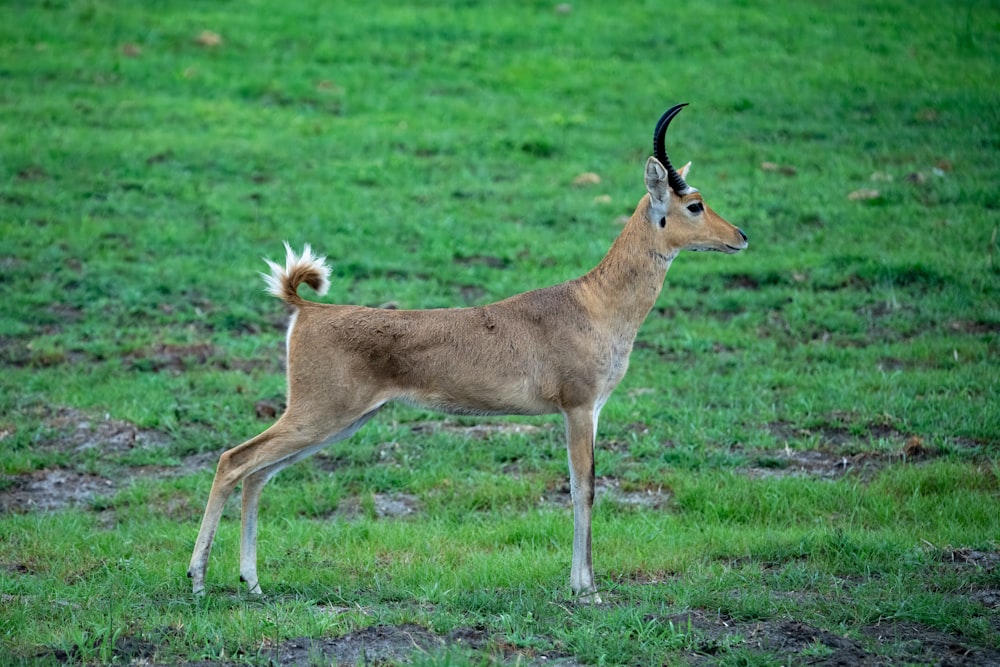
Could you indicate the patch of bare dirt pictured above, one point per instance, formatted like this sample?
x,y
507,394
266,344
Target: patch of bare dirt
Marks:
x,y
839,433
610,489
974,327
986,589
21,352
913,643
710,636
385,645
373,646
163,357
989,598
74,431
811,463
791,639
377,645
58,488
837,450
796,642
383,505
986,560
160,357
489,261
52,489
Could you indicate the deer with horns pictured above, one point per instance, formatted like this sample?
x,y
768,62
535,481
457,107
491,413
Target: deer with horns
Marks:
x,y
560,349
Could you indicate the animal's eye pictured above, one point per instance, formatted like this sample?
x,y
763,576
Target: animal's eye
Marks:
x,y
663,223
696,207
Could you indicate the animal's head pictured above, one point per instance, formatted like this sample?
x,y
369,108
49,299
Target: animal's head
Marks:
x,y
677,211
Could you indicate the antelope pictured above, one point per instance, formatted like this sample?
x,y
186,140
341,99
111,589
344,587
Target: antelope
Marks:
x,y
560,349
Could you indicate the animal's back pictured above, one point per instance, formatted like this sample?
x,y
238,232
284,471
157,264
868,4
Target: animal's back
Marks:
x,y
502,358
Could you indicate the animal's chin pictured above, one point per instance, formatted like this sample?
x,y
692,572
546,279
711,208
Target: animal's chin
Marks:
x,y
726,248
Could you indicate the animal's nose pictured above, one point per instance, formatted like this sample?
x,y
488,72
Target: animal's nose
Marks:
x,y
742,233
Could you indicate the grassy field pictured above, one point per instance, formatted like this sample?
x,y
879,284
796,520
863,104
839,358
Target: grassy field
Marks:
x,y
802,466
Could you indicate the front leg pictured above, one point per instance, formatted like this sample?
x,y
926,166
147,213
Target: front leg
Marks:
x,y
580,429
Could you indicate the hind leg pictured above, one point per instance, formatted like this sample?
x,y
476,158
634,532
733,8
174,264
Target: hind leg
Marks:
x,y
234,465
252,487
254,462
254,483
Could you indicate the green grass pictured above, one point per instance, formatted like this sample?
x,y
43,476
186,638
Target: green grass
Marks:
x,y
429,150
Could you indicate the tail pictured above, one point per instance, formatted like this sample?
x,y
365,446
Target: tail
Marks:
x,y
283,282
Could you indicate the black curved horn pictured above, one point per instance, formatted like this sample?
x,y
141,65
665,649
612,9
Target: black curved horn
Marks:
x,y
677,183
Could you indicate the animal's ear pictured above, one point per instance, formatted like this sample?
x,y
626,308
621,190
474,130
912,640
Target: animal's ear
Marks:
x,y
683,171
656,184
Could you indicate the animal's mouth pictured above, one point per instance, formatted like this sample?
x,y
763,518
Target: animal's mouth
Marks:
x,y
726,248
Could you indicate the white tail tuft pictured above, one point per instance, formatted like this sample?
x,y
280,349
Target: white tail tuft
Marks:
x,y
283,282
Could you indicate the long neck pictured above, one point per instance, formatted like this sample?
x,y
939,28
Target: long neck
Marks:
x,y
624,286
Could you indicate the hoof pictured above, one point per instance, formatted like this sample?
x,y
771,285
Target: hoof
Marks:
x,y
253,588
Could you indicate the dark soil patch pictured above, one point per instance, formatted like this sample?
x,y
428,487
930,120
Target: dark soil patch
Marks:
x,y
913,643
985,589
609,489
378,645
813,463
790,639
163,357
989,598
74,431
19,353
757,281
135,650
835,450
58,488
837,434
794,642
974,328
374,646
52,489
65,313
382,506
986,560
489,261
